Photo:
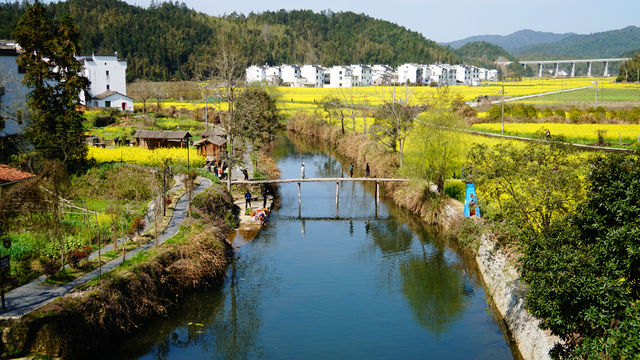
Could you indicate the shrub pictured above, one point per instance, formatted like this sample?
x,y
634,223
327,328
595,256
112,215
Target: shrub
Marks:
x,y
216,202
455,189
560,113
574,115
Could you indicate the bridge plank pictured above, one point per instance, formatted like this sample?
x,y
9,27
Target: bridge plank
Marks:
x,y
279,181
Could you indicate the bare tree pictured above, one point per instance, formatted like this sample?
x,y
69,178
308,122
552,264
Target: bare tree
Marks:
x,y
227,72
394,120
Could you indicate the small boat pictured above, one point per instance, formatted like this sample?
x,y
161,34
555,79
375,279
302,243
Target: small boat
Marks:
x,y
471,208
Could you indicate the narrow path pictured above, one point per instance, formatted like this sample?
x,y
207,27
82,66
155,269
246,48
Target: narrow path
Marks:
x,y
475,104
31,296
235,173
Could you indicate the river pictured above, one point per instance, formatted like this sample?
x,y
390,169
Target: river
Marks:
x,y
327,283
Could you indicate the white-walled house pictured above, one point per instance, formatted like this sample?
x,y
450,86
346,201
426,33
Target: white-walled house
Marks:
x,y
13,94
409,73
467,75
383,75
340,76
442,74
362,75
256,73
108,79
313,74
290,74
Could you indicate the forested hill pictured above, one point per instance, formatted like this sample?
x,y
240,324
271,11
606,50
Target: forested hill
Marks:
x,y
482,54
169,41
600,45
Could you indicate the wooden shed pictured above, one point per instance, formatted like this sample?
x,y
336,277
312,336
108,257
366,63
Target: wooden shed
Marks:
x,y
212,147
150,139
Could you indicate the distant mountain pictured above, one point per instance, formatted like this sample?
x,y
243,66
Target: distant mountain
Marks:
x,y
169,41
517,39
482,53
604,44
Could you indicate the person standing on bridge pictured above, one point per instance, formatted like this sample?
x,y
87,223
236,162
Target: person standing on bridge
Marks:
x,y
302,173
351,170
245,173
367,171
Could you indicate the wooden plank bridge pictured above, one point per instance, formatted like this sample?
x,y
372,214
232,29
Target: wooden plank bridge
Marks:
x,y
337,180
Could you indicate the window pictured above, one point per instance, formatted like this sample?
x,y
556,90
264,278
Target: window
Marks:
x,y
107,103
107,73
107,87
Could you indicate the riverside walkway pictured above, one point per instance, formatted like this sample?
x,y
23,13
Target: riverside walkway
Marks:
x,y
31,296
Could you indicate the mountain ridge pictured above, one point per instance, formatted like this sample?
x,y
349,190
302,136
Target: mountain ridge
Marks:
x,y
524,37
168,41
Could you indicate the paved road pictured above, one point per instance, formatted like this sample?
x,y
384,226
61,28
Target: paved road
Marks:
x,y
31,296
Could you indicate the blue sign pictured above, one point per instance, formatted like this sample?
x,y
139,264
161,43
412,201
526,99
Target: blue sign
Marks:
x,y
471,208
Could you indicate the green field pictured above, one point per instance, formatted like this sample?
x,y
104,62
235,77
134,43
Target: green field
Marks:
x,y
606,97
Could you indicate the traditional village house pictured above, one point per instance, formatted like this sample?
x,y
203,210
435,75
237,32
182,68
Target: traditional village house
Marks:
x,y
10,176
213,144
150,139
108,87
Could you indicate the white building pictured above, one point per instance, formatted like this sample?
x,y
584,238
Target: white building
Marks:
x,y
409,73
290,74
256,73
442,74
383,75
313,74
341,76
13,94
107,76
362,75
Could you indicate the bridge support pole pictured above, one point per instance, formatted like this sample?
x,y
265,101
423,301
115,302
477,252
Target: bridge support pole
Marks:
x,y
540,66
573,69
555,74
589,69
606,69
377,196
299,197
337,192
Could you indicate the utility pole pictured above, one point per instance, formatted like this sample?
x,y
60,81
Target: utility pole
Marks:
x,y
503,105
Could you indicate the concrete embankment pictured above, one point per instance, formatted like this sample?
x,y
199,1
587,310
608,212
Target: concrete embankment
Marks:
x,y
500,275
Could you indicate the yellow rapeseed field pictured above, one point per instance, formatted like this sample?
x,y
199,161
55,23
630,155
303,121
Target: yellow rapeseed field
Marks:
x,y
291,100
140,156
588,132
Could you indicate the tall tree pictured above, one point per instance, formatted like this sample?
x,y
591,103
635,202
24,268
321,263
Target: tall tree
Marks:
x,y
227,73
53,77
393,121
257,116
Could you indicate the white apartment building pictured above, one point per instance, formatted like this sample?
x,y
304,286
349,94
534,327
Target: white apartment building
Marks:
x,y
290,74
340,76
409,73
362,75
313,74
382,75
442,74
256,73
467,75
108,82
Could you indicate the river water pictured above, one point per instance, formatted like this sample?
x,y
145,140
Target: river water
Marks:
x,y
327,283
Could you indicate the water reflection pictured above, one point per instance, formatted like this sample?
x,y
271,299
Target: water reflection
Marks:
x,y
313,286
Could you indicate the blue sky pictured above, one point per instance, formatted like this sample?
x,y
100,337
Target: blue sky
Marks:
x,y
453,20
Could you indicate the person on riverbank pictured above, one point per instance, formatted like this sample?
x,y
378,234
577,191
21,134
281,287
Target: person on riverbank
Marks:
x,y
264,199
247,199
220,172
302,171
351,170
367,171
